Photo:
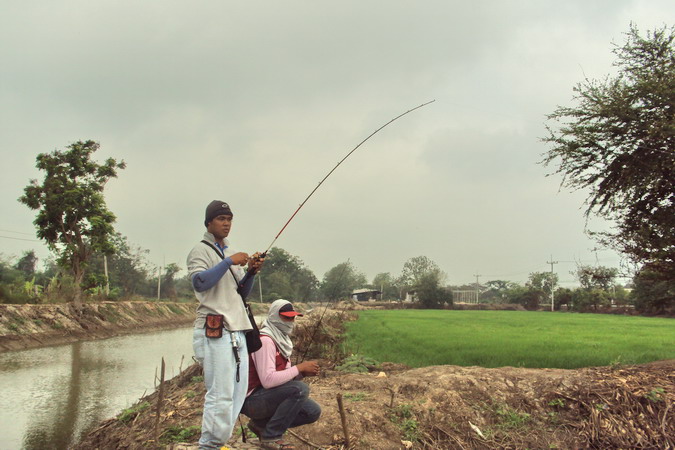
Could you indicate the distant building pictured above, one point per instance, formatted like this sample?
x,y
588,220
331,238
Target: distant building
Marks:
x,y
366,295
410,297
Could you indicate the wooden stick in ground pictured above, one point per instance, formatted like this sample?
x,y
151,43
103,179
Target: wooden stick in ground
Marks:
x,y
343,417
160,400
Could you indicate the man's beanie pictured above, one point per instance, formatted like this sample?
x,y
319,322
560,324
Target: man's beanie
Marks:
x,y
215,209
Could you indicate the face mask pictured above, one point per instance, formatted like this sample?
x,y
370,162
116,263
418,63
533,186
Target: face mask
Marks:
x,y
285,327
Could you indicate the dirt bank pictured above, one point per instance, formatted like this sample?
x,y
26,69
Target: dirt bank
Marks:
x,y
31,326
437,407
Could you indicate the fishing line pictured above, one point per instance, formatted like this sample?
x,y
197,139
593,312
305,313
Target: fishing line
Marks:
x,y
334,168
263,254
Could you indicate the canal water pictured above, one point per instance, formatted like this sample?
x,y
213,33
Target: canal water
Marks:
x,y
50,397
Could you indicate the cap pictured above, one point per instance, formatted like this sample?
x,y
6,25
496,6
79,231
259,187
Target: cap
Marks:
x,y
288,311
215,209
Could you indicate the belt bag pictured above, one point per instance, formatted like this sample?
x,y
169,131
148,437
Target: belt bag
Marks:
x,y
253,342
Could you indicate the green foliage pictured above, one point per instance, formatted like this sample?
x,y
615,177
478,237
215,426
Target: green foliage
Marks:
x,y
286,276
420,338
544,282
617,142
422,275
509,418
656,395
557,402
357,364
341,280
357,397
526,296
72,217
651,293
129,414
404,417
596,277
180,434
197,379
430,292
388,285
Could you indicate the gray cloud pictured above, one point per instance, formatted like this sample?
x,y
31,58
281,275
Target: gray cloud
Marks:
x,y
254,103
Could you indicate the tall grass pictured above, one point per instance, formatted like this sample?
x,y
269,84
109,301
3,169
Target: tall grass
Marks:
x,y
421,338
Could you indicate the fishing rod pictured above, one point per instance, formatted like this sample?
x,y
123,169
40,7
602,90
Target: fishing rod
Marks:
x,y
263,254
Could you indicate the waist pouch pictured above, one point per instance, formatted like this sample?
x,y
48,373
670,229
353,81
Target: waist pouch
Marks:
x,y
214,325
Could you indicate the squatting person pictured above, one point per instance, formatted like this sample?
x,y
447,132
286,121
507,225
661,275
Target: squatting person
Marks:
x,y
277,399
215,270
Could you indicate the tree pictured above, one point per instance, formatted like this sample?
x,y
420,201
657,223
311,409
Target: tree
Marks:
x,y
341,280
618,142
286,276
429,290
496,291
27,263
653,294
544,282
72,217
423,275
386,283
596,277
415,269
168,286
128,269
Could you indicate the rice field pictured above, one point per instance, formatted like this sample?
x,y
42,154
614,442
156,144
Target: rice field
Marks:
x,y
421,338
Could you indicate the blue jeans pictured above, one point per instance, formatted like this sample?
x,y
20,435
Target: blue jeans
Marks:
x,y
224,394
278,409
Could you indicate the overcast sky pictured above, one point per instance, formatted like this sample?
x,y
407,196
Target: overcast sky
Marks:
x,y
254,102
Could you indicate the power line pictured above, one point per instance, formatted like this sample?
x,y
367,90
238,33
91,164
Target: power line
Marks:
x,y
19,239
16,232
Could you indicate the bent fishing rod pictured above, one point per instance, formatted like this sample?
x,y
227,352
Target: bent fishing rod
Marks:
x,y
249,273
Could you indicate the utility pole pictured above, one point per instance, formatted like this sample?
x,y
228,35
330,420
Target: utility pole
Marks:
x,y
477,286
551,262
107,281
159,281
260,286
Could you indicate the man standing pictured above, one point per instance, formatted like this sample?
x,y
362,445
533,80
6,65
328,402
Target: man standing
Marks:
x,y
215,271
277,399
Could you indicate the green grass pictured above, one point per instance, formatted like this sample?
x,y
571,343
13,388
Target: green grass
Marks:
x,y
421,338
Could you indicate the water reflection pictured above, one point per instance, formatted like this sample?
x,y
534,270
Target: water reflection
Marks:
x,y
49,397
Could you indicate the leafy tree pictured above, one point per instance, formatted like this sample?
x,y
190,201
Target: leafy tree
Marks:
x,y
430,292
544,282
423,275
168,286
72,217
652,294
619,142
286,276
496,291
341,280
563,296
527,296
27,264
387,284
128,269
586,299
415,269
596,277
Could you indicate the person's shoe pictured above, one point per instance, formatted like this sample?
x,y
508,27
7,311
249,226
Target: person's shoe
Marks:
x,y
254,429
279,444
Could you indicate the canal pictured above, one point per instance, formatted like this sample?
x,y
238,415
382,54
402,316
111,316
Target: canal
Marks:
x,y
50,397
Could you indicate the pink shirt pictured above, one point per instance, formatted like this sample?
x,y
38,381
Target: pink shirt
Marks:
x,y
265,364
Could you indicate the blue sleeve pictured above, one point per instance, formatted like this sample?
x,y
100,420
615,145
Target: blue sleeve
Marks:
x,y
208,278
248,286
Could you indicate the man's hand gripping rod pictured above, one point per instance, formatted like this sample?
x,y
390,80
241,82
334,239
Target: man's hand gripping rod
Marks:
x,y
250,273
